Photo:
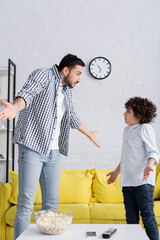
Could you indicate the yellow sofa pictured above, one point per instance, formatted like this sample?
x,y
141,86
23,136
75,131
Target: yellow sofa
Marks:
x,y
85,192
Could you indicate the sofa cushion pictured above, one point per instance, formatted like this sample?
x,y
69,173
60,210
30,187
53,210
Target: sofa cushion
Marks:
x,y
95,213
81,213
75,187
157,184
157,188
157,170
104,192
107,212
115,213
157,211
14,193
11,213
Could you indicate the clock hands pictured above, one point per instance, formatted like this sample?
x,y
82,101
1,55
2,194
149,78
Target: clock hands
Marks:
x,y
99,69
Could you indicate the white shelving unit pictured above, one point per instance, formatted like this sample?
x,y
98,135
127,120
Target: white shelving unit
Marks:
x,y
3,143
4,84
7,92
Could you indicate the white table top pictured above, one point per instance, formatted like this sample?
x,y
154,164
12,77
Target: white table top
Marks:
x,y
78,232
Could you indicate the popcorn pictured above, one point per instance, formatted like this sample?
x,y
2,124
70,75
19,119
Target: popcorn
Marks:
x,y
53,223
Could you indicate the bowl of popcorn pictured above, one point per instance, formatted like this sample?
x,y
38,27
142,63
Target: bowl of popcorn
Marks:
x,y
49,222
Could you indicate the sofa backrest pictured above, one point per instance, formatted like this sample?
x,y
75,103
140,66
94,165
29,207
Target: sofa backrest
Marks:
x,y
84,186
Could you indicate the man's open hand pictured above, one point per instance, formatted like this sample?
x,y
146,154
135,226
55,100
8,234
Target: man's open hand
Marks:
x,y
8,112
93,139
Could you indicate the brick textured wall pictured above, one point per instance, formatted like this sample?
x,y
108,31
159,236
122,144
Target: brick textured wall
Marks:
x,y
39,33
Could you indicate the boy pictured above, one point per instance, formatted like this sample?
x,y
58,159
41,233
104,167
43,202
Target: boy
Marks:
x,y
138,164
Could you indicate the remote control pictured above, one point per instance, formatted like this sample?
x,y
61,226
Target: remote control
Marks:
x,y
109,233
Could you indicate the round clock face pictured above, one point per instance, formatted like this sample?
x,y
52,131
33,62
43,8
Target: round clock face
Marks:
x,y
100,67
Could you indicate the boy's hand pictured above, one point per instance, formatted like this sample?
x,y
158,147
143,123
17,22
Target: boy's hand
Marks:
x,y
113,176
147,171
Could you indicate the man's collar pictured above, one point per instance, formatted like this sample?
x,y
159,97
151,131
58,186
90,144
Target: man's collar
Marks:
x,y
59,77
57,74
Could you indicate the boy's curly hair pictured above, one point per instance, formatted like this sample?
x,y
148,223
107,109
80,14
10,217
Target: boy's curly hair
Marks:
x,y
143,109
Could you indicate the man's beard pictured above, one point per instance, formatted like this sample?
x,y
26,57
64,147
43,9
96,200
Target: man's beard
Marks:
x,y
67,81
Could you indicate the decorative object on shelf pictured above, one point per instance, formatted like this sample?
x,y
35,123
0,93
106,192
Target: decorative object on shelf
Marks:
x,y
7,92
100,68
1,156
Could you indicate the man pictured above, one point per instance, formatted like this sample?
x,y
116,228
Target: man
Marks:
x,y
42,133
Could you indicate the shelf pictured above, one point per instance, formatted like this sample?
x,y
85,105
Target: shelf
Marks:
x,y
4,72
3,160
5,130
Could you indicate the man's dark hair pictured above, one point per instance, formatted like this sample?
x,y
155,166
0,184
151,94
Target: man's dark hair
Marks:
x,y
70,61
143,109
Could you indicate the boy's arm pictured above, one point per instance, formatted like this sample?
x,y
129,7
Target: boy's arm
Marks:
x,y
114,174
149,139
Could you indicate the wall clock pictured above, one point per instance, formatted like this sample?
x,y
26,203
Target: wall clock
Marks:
x,y
100,68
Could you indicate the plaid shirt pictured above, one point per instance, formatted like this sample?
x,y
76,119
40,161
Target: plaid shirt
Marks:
x,y
37,121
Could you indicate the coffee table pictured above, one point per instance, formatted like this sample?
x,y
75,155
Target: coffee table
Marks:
x,y
78,232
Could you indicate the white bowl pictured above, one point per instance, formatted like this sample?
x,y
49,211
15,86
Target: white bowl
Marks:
x,y
49,222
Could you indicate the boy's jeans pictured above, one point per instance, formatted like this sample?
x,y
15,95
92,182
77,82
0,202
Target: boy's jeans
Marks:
x,y
137,199
35,167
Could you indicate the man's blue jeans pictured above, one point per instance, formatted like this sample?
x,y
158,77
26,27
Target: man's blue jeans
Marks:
x,y
140,199
35,167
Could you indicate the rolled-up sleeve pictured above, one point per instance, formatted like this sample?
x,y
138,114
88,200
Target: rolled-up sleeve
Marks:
x,y
75,121
149,139
34,85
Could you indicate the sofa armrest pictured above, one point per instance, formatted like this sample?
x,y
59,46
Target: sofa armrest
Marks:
x,y
5,192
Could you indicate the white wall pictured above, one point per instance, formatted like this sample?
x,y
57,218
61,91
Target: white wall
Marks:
x,y
38,33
